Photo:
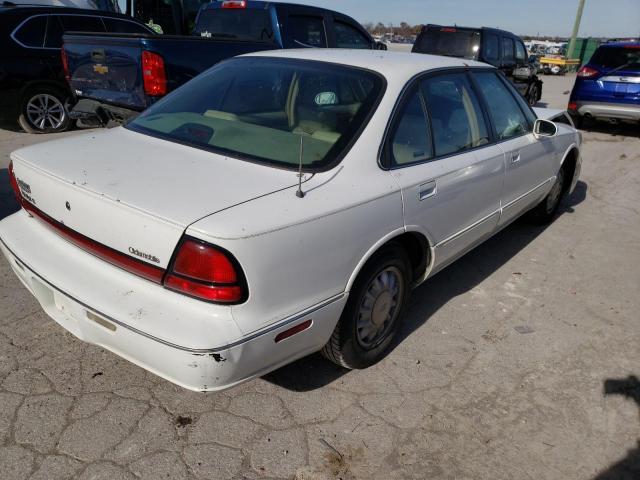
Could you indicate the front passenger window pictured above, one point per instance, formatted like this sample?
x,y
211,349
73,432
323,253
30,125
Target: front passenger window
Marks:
x,y
411,140
507,116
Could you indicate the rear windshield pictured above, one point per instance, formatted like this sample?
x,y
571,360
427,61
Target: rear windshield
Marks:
x,y
449,41
238,23
262,109
616,57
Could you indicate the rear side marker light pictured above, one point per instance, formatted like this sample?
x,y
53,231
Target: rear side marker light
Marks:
x,y
65,64
154,76
206,272
587,72
14,183
301,327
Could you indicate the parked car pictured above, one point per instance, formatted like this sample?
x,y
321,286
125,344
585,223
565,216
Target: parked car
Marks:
x,y
115,77
33,89
279,204
499,48
608,86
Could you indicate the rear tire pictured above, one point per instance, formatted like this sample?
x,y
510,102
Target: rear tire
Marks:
x,y
43,109
374,311
532,97
546,210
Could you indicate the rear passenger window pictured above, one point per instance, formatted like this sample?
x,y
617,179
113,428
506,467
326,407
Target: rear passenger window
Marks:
x,y
411,141
31,33
508,54
81,23
490,48
521,53
115,25
54,32
456,117
308,31
508,118
348,37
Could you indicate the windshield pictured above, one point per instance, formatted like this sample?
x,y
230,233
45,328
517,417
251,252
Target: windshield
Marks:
x,y
259,108
616,57
449,41
244,24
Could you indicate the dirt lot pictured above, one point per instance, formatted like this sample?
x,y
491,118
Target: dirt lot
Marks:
x,y
517,362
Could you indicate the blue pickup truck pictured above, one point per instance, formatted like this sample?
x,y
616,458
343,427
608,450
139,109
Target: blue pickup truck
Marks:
x,y
116,76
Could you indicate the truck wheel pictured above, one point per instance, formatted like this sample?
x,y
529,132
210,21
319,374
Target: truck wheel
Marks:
x,y
532,97
43,110
373,312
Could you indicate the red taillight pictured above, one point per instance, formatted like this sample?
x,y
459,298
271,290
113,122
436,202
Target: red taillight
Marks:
x,y
572,106
205,272
234,4
153,74
65,64
14,183
301,327
587,72
448,29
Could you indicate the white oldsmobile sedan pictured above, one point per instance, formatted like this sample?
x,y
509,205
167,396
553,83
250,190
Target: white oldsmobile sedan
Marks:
x,y
277,205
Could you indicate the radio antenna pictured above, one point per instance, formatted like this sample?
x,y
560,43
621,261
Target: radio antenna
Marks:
x,y
300,193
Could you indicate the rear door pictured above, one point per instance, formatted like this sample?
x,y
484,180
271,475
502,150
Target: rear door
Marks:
x,y
441,155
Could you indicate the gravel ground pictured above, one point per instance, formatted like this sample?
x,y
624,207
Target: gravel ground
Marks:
x,y
517,362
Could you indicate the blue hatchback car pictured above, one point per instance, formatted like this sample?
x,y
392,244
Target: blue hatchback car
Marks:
x,y
608,86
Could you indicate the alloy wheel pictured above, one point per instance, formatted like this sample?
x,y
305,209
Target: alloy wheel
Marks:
x,y
44,111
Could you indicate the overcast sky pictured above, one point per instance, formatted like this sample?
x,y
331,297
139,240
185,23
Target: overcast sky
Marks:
x,y
601,18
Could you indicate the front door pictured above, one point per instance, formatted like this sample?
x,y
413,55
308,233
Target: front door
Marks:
x,y
450,176
530,161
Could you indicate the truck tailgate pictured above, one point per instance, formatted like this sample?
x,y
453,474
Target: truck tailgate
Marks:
x,y
106,68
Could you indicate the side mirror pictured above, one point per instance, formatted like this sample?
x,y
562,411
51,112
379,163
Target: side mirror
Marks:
x,y
544,128
380,46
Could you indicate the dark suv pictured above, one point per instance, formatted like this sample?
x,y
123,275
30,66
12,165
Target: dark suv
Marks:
x,y
499,48
33,89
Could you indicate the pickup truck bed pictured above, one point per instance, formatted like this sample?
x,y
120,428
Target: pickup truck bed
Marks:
x,y
114,77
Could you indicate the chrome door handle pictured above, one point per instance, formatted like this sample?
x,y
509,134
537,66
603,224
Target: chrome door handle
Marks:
x,y
427,190
515,157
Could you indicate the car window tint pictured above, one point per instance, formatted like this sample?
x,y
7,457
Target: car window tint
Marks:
x,y
490,48
506,115
348,37
263,108
81,23
54,32
411,139
521,53
456,117
508,55
115,25
31,33
308,31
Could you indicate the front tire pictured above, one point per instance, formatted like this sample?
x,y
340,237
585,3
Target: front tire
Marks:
x,y
43,110
532,98
546,210
374,311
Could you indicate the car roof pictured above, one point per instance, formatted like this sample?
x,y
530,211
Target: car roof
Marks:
x,y
479,29
35,9
401,65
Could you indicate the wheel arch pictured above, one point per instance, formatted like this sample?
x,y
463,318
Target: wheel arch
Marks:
x,y
570,163
416,244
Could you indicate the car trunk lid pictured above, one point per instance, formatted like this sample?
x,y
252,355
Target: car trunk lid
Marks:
x,y
136,194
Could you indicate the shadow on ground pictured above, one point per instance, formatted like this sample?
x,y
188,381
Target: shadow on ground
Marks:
x,y
314,372
8,203
615,130
629,467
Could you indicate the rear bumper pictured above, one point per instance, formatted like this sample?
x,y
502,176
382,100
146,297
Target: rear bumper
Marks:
x,y
92,111
193,344
606,110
